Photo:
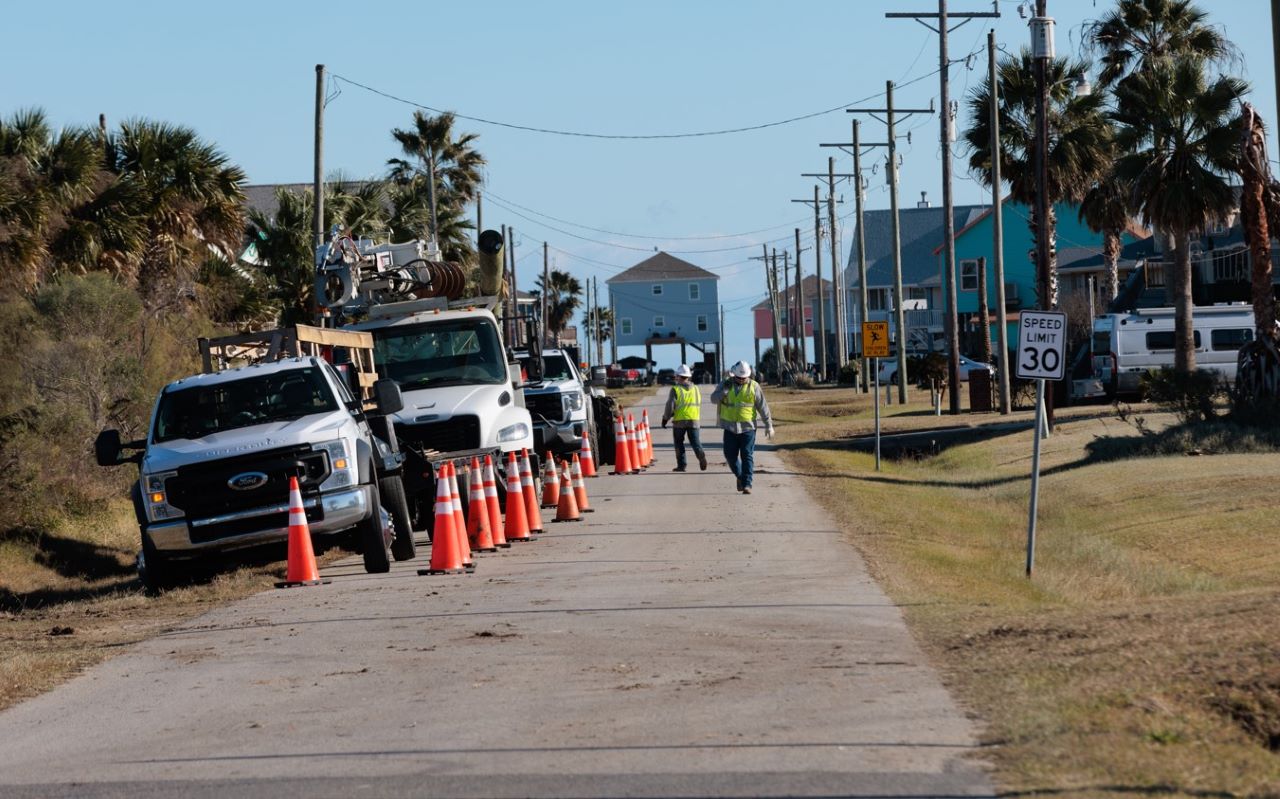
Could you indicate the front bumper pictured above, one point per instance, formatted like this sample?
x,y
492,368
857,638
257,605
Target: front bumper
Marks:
x,y
562,439
329,513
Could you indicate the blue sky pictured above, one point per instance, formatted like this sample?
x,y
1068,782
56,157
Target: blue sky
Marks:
x,y
243,76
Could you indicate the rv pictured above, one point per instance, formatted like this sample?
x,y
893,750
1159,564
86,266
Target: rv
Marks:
x,y
1127,345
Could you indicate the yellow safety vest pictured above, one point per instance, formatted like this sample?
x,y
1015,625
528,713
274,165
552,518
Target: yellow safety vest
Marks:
x,y
688,404
739,403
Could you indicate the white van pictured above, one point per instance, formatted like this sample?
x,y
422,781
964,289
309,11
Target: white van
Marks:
x,y
1127,345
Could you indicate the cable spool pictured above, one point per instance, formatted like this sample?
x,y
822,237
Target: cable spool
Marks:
x,y
437,279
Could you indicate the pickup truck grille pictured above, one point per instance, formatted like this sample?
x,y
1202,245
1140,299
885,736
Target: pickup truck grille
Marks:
x,y
201,489
547,406
458,433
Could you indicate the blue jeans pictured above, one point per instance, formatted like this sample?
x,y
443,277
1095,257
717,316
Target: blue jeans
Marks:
x,y
741,445
678,434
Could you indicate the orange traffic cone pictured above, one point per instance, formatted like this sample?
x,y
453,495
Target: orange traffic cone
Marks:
x,y
459,519
588,459
302,558
621,459
517,524
633,451
531,513
648,434
642,445
478,529
491,499
579,487
550,483
446,555
567,510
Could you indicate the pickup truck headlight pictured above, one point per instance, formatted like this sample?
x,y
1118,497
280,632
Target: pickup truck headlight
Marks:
x,y
513,432
573,401
156,499
342,466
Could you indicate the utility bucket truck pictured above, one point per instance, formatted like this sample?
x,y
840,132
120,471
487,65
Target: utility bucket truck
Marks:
x,y
442,344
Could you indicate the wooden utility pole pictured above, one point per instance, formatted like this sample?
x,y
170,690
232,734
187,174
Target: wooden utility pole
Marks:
x,y
600,325
546,287
317,186
842,342
819,332
613,339
863,293
479,214
804,353
585,350
771,280
997,223
948,209
789,304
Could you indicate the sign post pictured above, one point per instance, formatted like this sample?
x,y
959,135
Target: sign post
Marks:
x,y
1042,346
875,345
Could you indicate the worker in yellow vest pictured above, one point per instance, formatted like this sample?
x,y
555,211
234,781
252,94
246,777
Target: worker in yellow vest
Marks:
x,y
684,411
740,401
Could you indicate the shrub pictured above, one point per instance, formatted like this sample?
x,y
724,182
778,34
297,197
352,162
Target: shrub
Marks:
x,y
848,375
1189,396
803,382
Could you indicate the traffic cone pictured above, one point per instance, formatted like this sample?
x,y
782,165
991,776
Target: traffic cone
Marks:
x,y
550,483
531,513
478,528
588,457
491,499
460,519
633,451
579,487
621,460
642,444
517,524
446,554
302,558
567,510
648,434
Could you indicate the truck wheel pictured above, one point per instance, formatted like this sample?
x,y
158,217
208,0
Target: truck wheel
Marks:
x,y
373,543
392,491
155,570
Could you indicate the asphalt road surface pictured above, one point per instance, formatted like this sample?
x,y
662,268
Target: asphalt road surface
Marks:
x,y
683,641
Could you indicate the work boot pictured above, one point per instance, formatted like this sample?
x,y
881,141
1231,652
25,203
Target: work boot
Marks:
x,y
702,461
746,489
678,469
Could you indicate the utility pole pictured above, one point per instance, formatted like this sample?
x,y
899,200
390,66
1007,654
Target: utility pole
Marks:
x,y
613,339
820,332
863,291
948,210
771,280
600,324
720,344
788,301
586,321
842,343
546,286
899,317
479,214
317,224
997,222
804,353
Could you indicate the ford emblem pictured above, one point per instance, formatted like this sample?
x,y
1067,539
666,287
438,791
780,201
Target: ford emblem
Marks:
x,y
247,481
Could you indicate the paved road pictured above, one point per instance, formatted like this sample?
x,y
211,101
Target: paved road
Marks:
x,y
685,640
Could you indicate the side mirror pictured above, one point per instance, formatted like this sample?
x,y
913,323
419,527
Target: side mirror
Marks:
x,y
106,448
386,393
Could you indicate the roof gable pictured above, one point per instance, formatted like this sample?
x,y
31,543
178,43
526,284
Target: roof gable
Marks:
x,y
662,266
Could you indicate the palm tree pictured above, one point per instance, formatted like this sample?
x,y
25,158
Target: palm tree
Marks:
x,y
444,165
1258,202
1079,141
1105,209
563,293
600,319
411,219
1179,141
285,251
1138,34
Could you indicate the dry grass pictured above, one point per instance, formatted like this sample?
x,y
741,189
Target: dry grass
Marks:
x,y
1144,656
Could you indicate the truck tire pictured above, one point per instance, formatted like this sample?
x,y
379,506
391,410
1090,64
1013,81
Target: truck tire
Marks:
x,y
393,499
377,558
156,571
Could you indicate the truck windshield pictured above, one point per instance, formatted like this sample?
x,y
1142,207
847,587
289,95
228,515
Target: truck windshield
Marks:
x,y
452,352
204,410
554,366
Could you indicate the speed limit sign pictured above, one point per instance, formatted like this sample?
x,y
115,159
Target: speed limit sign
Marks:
x,y
1042,345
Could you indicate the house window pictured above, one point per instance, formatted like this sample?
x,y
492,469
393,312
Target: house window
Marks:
x,y
694,291
702,323
659,321
626,326
657,289
968,275
876,300
916,293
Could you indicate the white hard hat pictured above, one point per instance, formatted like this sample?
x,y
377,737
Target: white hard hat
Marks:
x,y
740,369
683,370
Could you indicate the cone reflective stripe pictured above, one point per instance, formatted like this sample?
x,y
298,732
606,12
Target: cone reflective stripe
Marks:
x,y
550,483
446,555
531,513
588,458
302,556
633,451
648,434
478,529
517,524
491,499
621,460
567,510
579,487
459,519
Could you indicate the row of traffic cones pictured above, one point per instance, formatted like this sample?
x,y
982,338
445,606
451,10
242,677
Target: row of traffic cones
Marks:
x,y
633,444
482,528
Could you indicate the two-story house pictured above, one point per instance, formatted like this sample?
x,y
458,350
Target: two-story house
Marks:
x,y
789,323
666,300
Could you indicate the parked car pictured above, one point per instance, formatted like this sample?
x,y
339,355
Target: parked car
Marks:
x,y
889,369
666,377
